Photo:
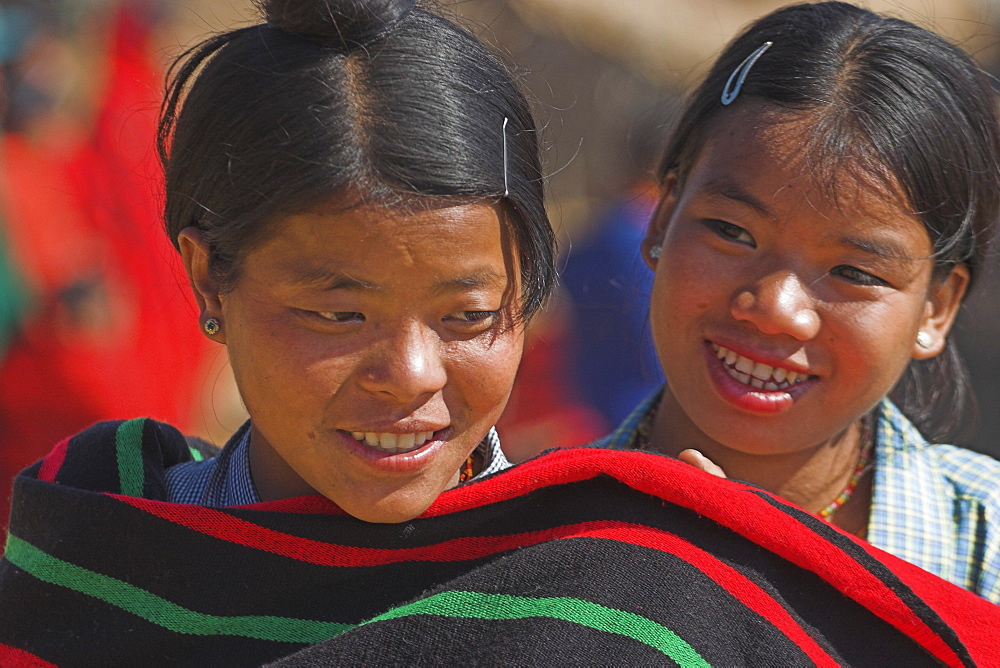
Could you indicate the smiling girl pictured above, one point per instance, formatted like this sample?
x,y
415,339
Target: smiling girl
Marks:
x,y
830,191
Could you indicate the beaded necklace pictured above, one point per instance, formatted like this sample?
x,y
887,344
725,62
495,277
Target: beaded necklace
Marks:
x,y
865,464
466,473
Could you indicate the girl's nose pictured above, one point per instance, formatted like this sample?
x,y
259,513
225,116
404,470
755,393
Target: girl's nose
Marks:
x,y
778,303
406,364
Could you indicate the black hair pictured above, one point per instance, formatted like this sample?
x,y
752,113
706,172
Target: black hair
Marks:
x,y
897,103
366,101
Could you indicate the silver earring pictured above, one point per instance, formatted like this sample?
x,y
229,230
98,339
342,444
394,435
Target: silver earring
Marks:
x,y
212,326
924,340
655,250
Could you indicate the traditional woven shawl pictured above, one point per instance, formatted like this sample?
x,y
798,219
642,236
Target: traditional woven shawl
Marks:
x,y
578,556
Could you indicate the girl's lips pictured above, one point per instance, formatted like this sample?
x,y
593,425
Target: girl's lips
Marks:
x,y
397,462
775,395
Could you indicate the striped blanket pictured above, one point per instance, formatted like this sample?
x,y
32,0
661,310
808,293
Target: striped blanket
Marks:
x,y
577,556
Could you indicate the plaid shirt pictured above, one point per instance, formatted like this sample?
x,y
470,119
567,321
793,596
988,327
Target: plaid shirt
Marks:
x,y
225,480
936,506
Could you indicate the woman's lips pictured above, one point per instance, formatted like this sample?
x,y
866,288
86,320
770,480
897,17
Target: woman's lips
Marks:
x,y
392,442
751,385
396,459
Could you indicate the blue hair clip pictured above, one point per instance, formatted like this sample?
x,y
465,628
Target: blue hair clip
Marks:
x,y
731,91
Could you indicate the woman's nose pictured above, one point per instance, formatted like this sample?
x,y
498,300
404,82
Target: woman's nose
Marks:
x,y
406,364
778,303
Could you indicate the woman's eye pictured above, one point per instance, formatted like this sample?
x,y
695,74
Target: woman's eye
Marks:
x,y
731,232
341,316
857,276
474,316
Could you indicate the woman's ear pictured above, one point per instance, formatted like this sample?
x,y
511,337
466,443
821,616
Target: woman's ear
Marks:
x,y
652,244
943,302
195,254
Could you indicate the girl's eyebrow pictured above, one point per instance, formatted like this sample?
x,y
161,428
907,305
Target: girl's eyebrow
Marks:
x,y
725,187
883,248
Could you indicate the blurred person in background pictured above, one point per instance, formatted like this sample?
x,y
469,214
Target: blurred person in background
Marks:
x,y
613,361
98,317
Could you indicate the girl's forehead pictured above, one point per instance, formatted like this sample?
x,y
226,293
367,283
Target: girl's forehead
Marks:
x,y
789,155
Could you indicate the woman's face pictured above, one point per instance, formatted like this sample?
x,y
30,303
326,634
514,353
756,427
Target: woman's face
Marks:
x,y
780,317
373,349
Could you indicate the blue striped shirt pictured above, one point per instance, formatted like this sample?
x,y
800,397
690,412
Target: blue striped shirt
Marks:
x,y
226,480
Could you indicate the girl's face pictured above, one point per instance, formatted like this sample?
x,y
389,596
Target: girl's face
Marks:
x,y
779,316
373,349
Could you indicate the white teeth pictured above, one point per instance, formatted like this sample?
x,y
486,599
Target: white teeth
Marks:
x,y
393,442
757,374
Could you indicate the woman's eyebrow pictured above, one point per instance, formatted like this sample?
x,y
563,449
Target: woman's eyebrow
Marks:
x,y
326,279
483,278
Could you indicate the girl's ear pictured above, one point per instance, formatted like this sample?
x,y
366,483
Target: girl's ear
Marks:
x,y
943,302
195,254
653,241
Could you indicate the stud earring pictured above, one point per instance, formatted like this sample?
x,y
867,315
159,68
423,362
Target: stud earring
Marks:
x,y
212,326
924,340
655,250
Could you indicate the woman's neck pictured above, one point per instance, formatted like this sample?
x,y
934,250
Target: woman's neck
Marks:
x,y
812,477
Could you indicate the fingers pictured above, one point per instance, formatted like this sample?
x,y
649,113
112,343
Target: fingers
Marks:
x,y
700,461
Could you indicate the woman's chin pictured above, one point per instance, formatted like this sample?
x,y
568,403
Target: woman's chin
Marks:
x,y
392,508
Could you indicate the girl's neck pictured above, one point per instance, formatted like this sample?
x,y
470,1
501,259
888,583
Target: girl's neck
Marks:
x,y
812,477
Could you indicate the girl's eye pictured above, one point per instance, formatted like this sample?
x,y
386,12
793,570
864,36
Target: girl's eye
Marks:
x,y
857,276
341,316
731,232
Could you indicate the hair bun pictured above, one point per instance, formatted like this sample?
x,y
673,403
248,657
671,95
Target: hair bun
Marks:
x,y
343,22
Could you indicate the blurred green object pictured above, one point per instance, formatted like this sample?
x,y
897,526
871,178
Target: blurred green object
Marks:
x,y
12,295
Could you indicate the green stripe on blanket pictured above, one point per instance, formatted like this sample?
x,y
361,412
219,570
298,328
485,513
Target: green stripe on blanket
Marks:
x,y
468,604
128,447
160,611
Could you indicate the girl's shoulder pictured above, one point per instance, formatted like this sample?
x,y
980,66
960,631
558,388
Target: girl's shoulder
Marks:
x,y
971,474
900,446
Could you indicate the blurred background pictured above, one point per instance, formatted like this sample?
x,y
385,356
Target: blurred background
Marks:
x,y
95,318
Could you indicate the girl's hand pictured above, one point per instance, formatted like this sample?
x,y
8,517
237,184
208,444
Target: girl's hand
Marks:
x,y
700,461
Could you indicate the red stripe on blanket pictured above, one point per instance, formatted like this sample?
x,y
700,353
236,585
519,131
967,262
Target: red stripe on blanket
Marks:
x,y
11,657
53,462
234,530
742,509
